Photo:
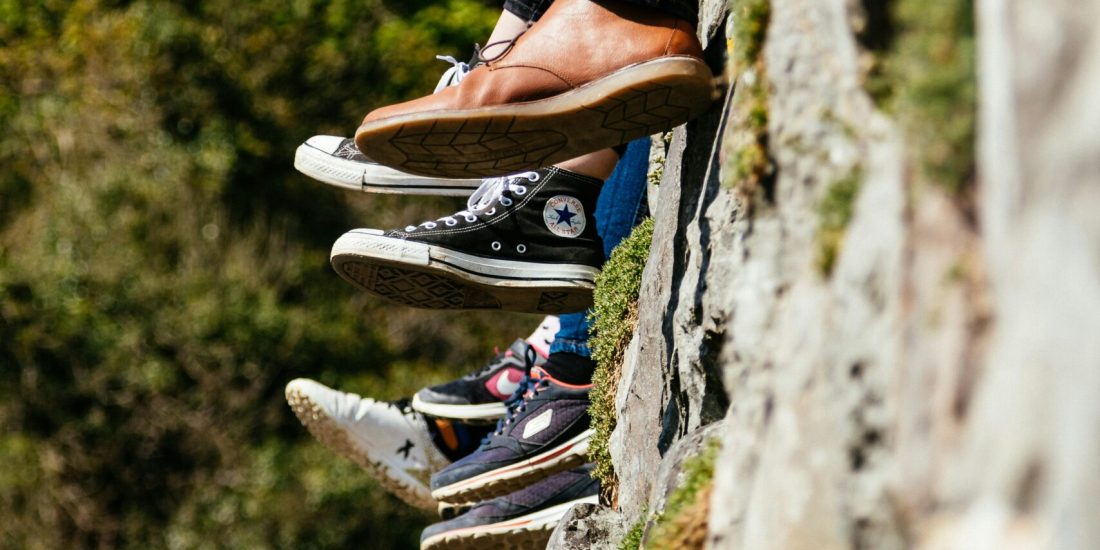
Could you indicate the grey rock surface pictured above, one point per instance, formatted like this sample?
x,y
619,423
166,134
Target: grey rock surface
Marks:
x,y
937,388
588,526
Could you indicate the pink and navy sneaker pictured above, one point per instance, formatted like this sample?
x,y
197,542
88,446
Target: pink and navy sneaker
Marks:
x,y
546,430
523,519
481,394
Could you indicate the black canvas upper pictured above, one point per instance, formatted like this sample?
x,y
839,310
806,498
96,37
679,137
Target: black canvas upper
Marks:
x,y
519,231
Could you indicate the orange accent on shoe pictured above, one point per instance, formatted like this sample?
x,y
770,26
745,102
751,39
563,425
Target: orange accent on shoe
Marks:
x,y
447,430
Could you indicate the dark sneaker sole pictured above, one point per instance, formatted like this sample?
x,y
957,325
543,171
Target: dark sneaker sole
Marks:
x,y
636,101
433,277
530,531
375,178
331,435
485,411
514,477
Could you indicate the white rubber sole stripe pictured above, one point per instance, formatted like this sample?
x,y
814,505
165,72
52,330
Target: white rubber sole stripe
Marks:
x,y
369,244
513,477
375,178
521,532
433,277
331,435
487,411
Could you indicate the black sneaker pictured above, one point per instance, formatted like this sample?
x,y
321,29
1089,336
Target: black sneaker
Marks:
x,y
525,243
523,519
481,394
546,430
337,161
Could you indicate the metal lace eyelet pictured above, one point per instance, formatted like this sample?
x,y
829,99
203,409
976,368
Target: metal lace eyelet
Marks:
x,y
506,201
521,190
521,248
491,211
533,176
451,222
431,225
495,245
471,218
410,228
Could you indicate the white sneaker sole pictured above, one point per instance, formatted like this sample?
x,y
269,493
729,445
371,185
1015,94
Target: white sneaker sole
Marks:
x,y
329,432
375,178
530,531
516,476
434,277
487,411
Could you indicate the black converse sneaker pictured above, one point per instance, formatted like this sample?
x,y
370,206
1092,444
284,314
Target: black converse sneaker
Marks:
x,y
525,243
337,161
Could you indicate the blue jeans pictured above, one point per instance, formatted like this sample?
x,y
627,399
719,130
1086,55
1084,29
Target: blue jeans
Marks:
x,y
616,215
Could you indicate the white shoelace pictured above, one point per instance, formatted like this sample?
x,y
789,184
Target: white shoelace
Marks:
x,y
481,201
453,75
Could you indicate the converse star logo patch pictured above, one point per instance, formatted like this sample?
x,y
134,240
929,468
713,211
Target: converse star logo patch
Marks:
x,y
564,216
538,423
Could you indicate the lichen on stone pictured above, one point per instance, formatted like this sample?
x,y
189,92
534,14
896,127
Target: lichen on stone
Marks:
x,y
834,212
748,164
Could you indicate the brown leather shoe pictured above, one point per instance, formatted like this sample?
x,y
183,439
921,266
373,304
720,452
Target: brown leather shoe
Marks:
x,y
587,76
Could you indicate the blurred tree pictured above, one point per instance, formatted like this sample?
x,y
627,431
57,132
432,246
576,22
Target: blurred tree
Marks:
x,y
163,269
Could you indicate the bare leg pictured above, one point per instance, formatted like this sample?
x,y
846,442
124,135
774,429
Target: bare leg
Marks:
x,y
598,165
508,26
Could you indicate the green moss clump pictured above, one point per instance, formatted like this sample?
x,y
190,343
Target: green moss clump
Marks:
x,y
633,538
683,523
925,73
614,316
835,211
750,161
750,26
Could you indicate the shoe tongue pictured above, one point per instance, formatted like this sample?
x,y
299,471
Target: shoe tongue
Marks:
x,y
518,348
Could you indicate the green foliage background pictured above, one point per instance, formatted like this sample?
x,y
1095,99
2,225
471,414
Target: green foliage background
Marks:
x,y
163,269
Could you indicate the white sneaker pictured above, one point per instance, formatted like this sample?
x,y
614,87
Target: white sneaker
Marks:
x,y
389,440
336,161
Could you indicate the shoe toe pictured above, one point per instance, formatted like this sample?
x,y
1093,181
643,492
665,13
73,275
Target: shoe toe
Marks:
x,y
427,395
326,144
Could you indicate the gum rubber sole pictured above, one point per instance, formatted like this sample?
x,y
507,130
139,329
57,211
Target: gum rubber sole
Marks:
x,y
508,479
530,531
639,100
331,435
425,276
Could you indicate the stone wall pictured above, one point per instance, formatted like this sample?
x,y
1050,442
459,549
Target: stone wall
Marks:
x,y
937,384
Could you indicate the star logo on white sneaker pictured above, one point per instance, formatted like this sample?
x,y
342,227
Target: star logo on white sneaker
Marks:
x,y
538,423
564,216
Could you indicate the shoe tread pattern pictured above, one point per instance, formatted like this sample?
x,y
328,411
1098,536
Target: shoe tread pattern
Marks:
x,y
317,421
428,290
482,147
500,487
520,538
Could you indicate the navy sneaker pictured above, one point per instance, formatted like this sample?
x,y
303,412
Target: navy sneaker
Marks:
x,y
523,519
525,243
546,430
480,395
